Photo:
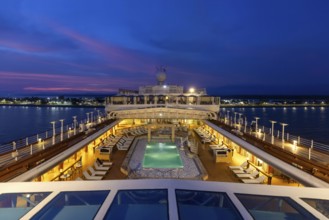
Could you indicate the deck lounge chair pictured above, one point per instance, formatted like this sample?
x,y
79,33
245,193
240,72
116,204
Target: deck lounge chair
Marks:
x,y
217,147
249,170
260,179
100,167
252,175
95,173
241,167
104,163
89,177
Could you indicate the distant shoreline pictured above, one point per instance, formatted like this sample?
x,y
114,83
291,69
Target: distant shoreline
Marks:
x,y
221,105
272,105
47,105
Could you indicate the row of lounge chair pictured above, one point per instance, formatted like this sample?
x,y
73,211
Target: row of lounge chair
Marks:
x,y
135,131
247,175
125,142
97,171
205,135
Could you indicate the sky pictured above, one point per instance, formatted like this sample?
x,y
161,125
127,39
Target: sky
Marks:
x,y
230,47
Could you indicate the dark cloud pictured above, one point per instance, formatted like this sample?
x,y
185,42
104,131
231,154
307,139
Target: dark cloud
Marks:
x,y
239,47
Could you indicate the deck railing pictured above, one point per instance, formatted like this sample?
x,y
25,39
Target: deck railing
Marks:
x,y
265,134
29,145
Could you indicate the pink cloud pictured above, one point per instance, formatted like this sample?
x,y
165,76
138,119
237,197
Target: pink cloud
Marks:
x,y
118,58
20,46
71,89
40,82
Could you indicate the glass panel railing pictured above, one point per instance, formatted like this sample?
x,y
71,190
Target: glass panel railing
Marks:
x,y
73,205
319,204
273,207
15,205
139,205
205,205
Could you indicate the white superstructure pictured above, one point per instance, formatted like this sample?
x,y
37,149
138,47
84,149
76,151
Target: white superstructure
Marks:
x,y
163,101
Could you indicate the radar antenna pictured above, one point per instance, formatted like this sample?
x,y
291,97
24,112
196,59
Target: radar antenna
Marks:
x,y
161,74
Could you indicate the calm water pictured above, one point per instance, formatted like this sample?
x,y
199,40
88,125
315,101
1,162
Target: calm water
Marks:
x,y
309,123
18,122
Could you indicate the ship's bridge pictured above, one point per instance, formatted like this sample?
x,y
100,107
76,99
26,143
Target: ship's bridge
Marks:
x,y
163,101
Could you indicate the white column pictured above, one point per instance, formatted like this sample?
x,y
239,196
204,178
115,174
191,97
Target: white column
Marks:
x,y
240,114
75,124
283,125
62,128
87,117
256,118
245,124
235,118
14,145
272,132
54,131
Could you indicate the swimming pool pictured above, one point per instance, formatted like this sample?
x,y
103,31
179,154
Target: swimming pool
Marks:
x,y
162,155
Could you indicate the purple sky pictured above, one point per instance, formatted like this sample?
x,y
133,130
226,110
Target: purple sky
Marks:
x,y
229,47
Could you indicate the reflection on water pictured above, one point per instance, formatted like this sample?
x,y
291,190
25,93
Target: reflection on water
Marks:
x,y
307,122
20,121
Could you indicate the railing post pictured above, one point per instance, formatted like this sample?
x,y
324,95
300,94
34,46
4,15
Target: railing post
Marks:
x,y
269,180
27,141
298,140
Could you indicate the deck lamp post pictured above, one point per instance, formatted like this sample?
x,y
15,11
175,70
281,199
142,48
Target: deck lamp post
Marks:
x,y
256,118
240,114
245,124
14,145
54,131
87,117
235,113
272,131
91,117
228,116
283,125
99,117
75,124
62,128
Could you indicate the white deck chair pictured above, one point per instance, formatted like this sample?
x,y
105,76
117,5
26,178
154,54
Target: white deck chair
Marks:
x,y
249,170
252,175
244,164
100,167
260,179
129,138
104,163
95,173
88,177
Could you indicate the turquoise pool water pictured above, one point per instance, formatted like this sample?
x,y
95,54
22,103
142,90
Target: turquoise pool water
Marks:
x,y
162,155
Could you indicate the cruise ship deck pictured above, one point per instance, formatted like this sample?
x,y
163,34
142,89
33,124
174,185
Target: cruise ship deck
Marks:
x,y
199,164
